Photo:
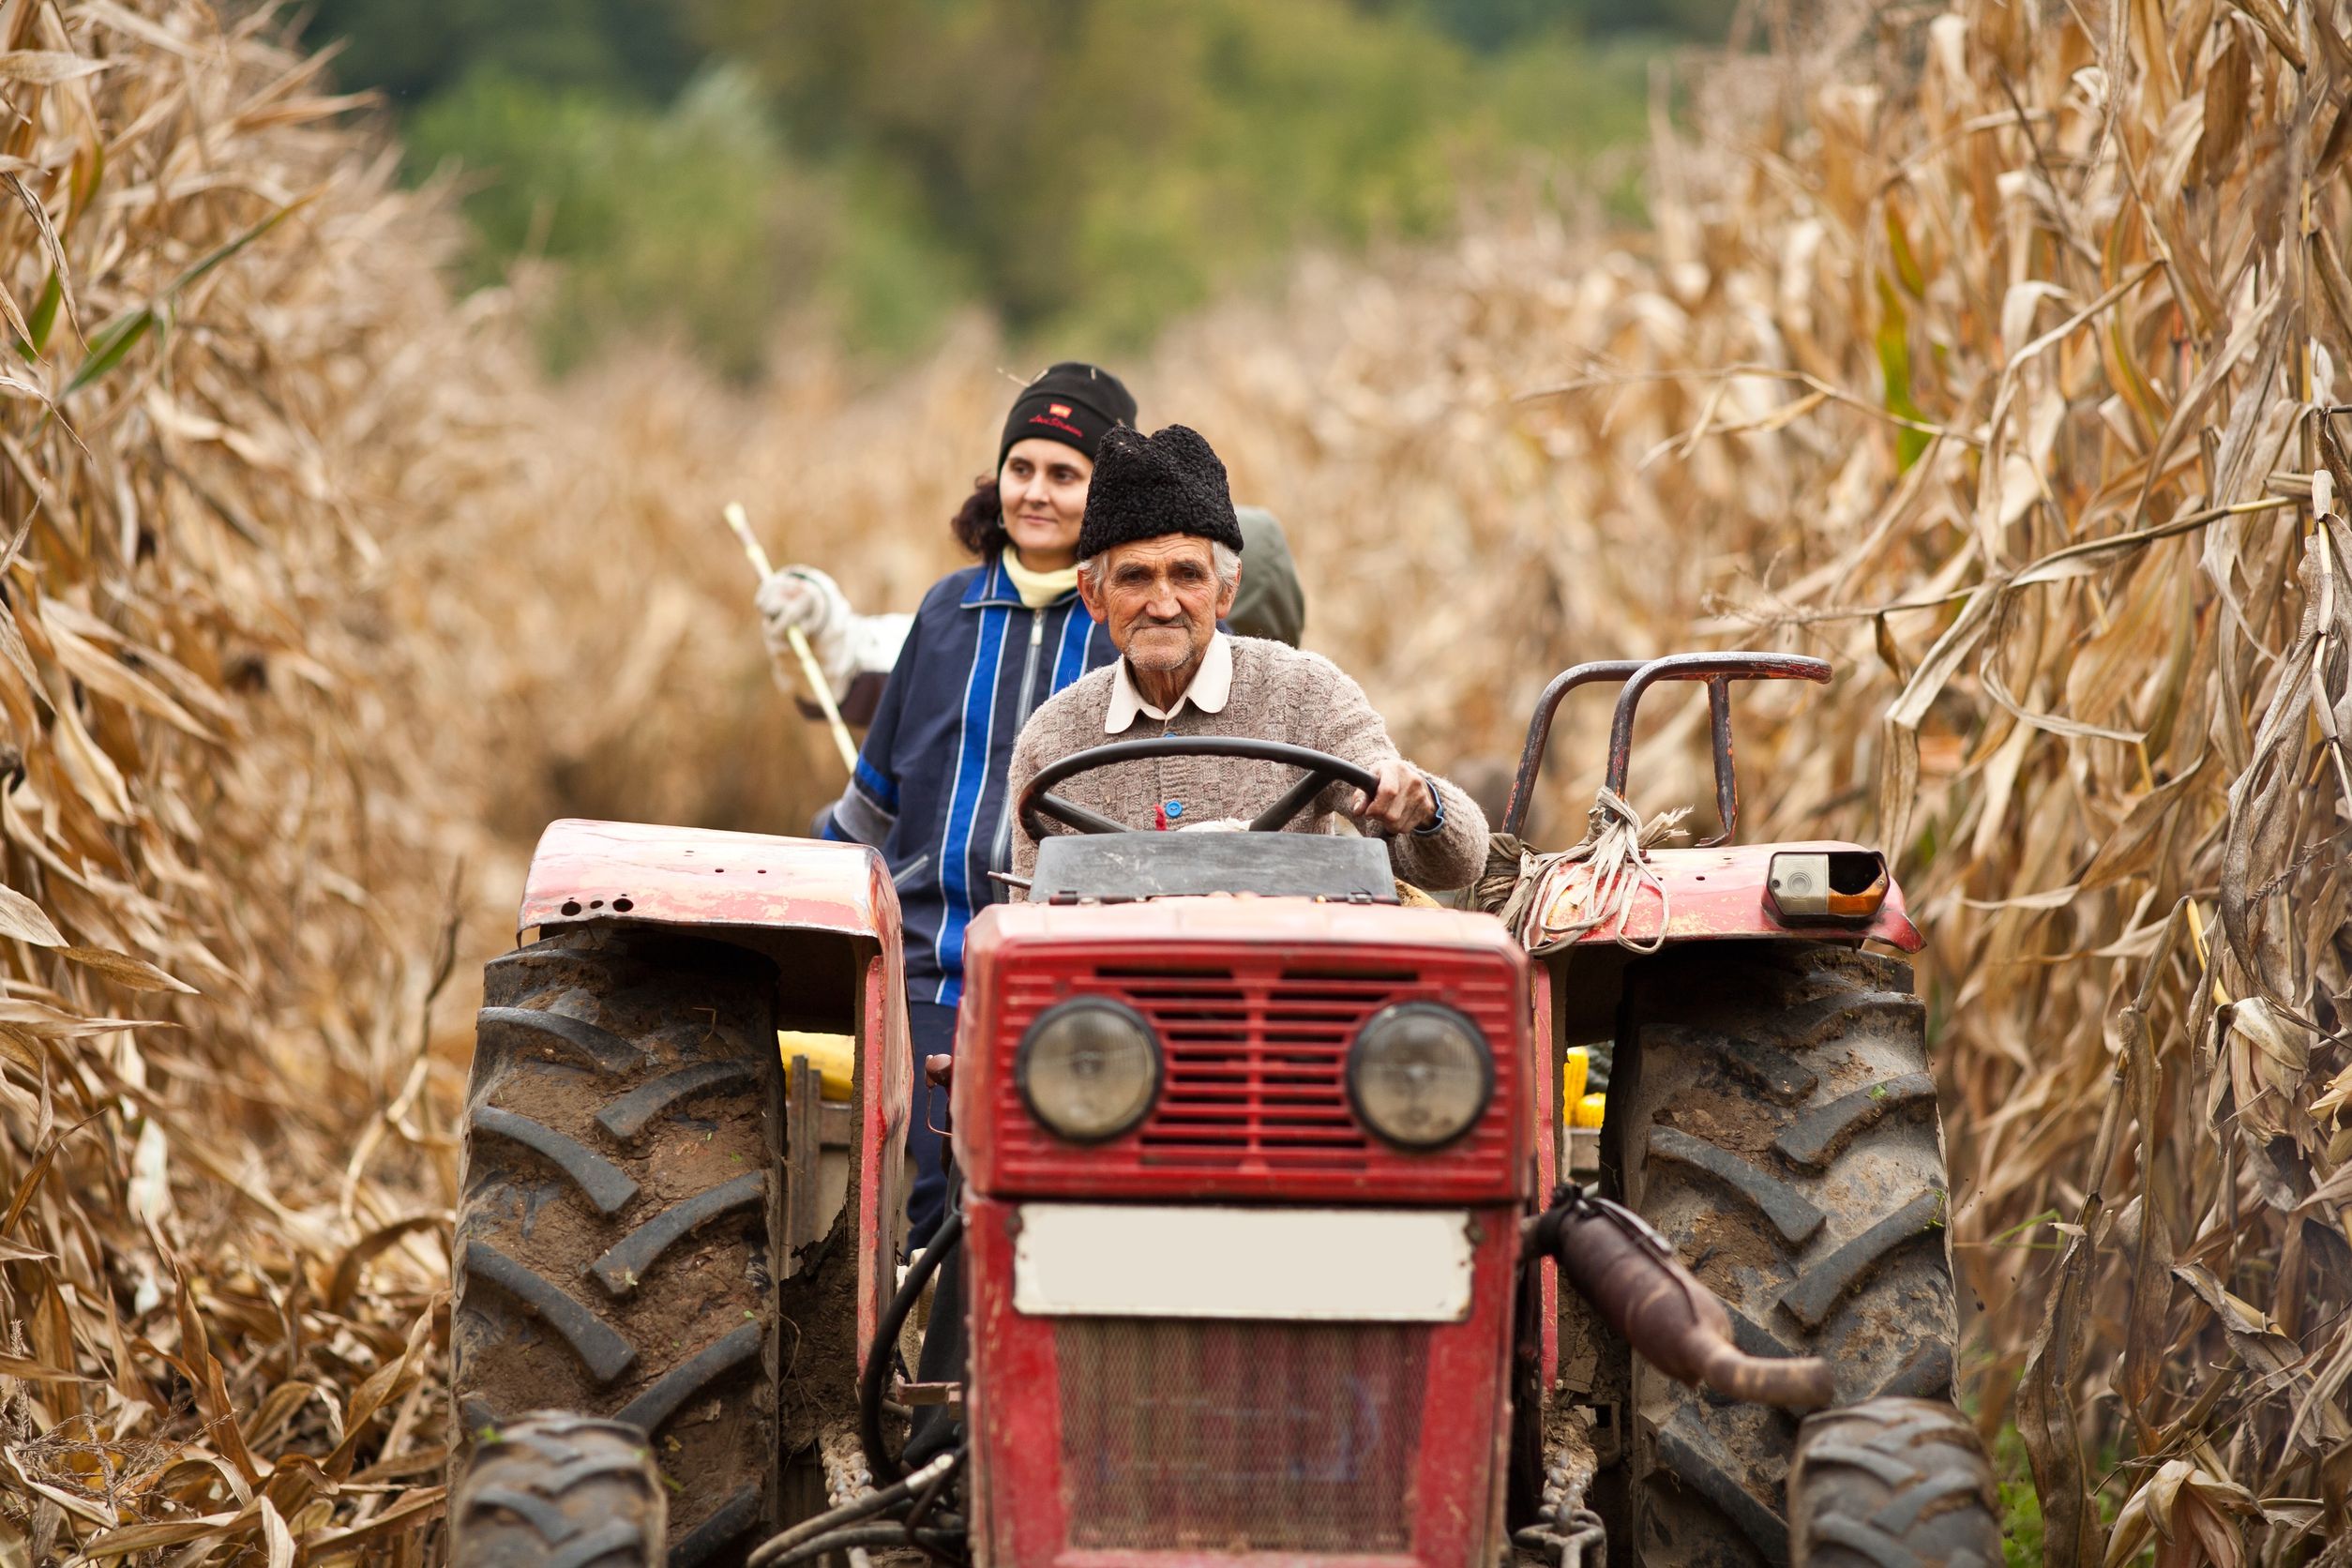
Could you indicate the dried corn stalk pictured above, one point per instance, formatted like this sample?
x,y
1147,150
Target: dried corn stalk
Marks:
x,y
231,383
1988,351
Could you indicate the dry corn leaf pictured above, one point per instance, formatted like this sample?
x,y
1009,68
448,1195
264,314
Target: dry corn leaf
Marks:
x,y
21,919
2189,1515
131,973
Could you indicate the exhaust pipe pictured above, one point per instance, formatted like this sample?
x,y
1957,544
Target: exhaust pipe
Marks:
x,y
1629,1272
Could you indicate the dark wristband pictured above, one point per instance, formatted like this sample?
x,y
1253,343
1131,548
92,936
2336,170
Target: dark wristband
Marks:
x,y
1437,809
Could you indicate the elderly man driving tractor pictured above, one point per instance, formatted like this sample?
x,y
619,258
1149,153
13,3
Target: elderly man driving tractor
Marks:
x,y
1259,1249
1159,563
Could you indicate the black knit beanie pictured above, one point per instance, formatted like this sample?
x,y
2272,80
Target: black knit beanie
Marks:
x,y
1073,404
1147,486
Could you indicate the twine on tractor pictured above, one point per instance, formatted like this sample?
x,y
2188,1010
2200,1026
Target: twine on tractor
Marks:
x,y
1549,901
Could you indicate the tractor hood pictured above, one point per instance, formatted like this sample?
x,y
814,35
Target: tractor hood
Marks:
x,y
1236,917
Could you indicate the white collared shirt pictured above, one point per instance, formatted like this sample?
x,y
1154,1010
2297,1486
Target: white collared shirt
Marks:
x,y
1212,686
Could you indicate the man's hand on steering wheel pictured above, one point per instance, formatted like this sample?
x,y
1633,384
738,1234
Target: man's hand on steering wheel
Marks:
x,y
1405,802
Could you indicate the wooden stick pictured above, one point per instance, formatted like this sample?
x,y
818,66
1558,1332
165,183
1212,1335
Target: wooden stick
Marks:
x,y
808,665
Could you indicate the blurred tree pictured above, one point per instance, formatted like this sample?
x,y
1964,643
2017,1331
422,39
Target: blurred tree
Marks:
x,y
1105,162
689,217
1084,168
1493,25
412,48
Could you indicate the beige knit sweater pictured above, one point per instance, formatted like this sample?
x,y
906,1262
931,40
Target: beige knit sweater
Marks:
x,y
1279,694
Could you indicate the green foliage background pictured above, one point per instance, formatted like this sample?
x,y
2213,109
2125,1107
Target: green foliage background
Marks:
x,y
1083,169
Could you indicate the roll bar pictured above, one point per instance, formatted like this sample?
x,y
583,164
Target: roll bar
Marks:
x,y
1717,670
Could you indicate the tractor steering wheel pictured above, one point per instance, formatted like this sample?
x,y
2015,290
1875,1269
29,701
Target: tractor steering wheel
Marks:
x,y
1039,806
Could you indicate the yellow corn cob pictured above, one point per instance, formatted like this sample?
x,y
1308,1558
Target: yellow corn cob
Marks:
x,y
834,1056
1571,1079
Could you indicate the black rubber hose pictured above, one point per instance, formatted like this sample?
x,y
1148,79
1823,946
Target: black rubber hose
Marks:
x,y
879,1460
926,1498
864,1506
941,1475
862,1535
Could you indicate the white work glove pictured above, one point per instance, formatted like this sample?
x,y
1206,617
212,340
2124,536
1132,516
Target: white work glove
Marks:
x,y
806,598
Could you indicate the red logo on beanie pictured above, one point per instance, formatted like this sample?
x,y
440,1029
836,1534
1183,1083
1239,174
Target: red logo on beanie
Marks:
x,y
1060,411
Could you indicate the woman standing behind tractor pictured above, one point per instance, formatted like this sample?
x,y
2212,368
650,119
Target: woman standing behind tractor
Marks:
x,y
990,644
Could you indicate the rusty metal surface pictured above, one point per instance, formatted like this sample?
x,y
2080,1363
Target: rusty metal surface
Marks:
x,y
1629,1272
1717,670
1718,894
1539,729
585,871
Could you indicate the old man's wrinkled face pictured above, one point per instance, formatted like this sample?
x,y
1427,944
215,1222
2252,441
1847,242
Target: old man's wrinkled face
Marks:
x,y
1159,599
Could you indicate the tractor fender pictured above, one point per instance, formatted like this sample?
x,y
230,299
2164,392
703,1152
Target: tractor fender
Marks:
x,y
827,914
1719,894
586,871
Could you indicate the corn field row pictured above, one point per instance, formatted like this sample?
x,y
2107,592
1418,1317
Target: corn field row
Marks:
x,y
1992,352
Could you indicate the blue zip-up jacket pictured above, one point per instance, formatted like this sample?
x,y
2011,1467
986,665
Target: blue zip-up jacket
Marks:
x,y
930,790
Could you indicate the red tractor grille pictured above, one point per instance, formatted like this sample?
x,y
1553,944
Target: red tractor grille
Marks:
x,y
1254,1072
1255,1097
1238,1437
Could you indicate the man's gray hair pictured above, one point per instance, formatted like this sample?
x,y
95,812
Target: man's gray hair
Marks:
x,y
1223,559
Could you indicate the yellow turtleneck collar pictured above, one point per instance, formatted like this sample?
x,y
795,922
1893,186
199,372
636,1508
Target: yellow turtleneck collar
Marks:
x,y
1038,589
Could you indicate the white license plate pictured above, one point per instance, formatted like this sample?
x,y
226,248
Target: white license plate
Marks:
x,y
1140,1261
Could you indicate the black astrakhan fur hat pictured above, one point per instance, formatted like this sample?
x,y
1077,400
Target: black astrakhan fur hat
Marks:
x,y
1144,486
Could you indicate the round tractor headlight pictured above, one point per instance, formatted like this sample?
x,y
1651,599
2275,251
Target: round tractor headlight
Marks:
x,y
1089,1070
1420,1074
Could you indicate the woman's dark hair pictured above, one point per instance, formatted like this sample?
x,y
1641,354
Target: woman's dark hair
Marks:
x,y
979,522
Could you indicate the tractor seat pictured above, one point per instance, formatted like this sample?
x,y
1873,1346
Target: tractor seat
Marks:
x,y
1122,868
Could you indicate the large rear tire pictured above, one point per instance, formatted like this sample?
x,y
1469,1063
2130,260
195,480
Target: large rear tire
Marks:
x,y
1890,1482
619,1188
1780,1127
555,1490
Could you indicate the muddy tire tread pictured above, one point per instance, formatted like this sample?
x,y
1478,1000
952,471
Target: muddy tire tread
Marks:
x,y
557,1490
606,1185
634,1256
724,1527
1798,1169
619,1193
1892,1483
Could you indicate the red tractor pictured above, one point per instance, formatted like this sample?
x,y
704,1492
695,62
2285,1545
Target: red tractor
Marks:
x,y
1262,1229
